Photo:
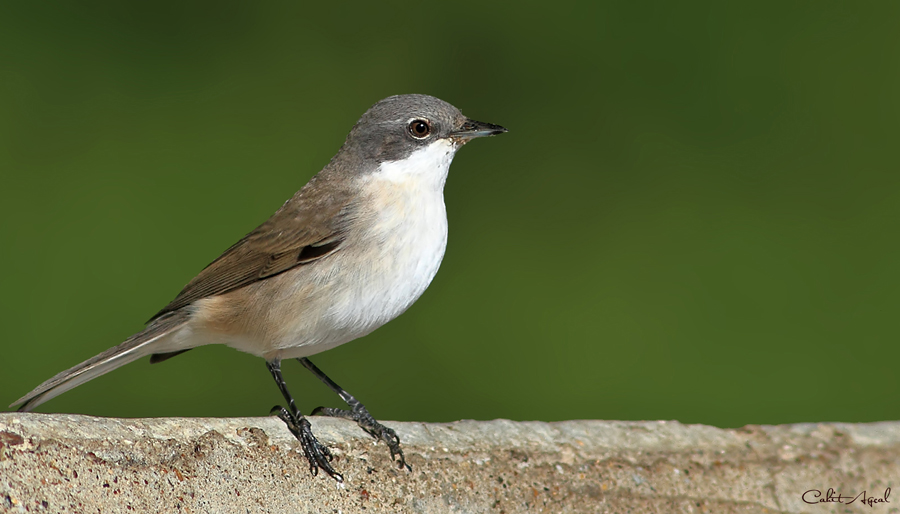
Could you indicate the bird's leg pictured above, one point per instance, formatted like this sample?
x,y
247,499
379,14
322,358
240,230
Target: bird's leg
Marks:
x,y
318,455
357,413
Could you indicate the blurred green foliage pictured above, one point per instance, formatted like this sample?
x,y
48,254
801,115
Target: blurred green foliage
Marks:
x,y
694,216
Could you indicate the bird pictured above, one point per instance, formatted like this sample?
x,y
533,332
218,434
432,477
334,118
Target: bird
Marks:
x,y
348,252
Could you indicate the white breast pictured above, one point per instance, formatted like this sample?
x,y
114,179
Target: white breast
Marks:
x,y
397,248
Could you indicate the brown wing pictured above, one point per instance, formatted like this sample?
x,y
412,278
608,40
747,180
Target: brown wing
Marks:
x,y
306,228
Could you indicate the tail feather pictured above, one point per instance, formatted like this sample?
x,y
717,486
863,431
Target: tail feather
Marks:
x,y
135,347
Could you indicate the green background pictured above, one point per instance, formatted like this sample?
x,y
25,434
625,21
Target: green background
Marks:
x,y
694,215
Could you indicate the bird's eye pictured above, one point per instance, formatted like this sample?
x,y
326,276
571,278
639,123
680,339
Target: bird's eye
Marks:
x,y
419,128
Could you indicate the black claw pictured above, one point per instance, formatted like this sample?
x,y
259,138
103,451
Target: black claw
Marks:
x,y
318,455
333,413
361,416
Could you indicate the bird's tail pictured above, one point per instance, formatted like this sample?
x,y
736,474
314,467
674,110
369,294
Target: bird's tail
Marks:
x,y
139,345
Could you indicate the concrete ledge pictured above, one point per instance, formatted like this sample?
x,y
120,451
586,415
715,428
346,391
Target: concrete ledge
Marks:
x,y
68,463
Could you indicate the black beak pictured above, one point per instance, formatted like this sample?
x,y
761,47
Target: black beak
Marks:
x,y
472,129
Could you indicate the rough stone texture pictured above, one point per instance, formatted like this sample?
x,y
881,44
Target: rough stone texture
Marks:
x,y
68,463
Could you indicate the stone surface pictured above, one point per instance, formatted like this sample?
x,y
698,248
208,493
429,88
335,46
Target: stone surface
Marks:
x,y
68,463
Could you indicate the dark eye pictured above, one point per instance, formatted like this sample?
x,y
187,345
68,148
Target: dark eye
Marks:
x,y
419,129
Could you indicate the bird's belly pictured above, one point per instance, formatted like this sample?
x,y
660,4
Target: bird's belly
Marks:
x,y
389,256
374,280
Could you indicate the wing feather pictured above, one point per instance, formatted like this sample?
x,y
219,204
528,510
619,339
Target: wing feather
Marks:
x,y
308,227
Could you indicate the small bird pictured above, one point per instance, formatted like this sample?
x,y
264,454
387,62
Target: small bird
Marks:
x,y
350,251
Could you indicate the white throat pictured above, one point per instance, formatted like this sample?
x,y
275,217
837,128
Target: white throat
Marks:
x,y
428,165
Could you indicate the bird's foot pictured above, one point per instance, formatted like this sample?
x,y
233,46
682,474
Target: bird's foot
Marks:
x,y
361,416
318,455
